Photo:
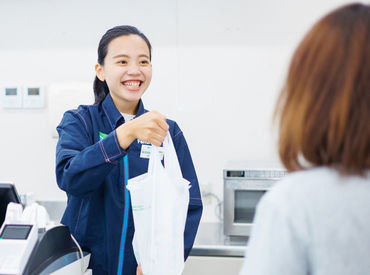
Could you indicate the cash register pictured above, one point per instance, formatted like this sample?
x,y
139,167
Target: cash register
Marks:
x,y
26,250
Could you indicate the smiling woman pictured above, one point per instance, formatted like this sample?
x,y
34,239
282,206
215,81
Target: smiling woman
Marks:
x,y
97,154
127,71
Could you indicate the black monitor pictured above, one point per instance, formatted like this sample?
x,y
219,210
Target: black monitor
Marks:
x,y
8,193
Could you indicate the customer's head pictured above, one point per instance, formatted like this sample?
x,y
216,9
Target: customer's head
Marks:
x,y
324,107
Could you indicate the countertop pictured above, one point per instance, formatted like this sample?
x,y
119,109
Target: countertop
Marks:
x,y
211,241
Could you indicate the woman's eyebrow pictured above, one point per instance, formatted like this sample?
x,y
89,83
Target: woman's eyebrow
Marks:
x,y
144,55
121,55
126,56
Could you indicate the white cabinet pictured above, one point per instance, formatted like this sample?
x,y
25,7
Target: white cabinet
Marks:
x,y
207,265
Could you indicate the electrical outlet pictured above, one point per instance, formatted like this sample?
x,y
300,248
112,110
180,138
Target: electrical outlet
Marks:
x,y
206,190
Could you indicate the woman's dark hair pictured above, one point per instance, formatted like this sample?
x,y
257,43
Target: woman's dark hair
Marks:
x,y
100,87
324,107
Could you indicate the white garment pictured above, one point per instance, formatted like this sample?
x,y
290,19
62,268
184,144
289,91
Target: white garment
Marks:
x,y
312,222
127,117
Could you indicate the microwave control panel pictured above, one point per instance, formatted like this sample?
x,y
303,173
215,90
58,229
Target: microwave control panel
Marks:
x,y
255,174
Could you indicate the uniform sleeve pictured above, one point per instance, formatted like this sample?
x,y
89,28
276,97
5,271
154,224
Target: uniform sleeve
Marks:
x,y
195,204
276,245
81,164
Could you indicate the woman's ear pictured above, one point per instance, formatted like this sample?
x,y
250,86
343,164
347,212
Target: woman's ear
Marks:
x,y
99,72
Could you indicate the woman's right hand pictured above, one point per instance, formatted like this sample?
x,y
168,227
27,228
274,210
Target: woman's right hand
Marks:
x,y
150,127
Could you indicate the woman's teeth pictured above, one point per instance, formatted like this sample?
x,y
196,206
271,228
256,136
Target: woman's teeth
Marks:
x,y
132,83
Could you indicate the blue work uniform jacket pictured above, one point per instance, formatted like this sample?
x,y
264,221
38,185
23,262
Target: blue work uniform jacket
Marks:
x,y
93,171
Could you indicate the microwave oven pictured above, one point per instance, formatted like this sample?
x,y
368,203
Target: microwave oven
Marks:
x,y
242,191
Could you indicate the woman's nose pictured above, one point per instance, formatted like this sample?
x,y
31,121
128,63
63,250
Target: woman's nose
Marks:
x,y
133,69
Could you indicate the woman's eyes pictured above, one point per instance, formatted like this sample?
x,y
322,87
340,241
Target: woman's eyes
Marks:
x,y
142,62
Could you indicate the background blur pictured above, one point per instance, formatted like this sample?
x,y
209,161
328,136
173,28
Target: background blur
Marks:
x,y
218,67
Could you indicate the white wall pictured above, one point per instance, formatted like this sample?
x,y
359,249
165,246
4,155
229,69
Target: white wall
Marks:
x,y
217,69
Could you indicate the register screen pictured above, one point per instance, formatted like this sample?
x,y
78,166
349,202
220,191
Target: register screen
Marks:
x,y
15,231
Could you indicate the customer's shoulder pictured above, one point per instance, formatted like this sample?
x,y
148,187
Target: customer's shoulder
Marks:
x,y
308,177
301,185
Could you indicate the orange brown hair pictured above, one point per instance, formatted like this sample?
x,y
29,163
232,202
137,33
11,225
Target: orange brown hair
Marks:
x,y
324,107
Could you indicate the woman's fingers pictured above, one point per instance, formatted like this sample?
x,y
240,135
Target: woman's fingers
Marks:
x,y
157,139
163,124
151,127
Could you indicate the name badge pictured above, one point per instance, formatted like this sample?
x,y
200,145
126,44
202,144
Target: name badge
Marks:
x,y
146,149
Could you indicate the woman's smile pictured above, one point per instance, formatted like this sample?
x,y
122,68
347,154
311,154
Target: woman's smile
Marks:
x,y
132,85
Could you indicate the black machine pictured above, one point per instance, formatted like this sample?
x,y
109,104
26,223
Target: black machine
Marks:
x,y
8,193
54,250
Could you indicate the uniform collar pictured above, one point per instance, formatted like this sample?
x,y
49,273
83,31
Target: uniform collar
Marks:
x,y
114,116
141,109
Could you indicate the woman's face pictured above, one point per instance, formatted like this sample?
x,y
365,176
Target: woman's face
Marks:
x,y
127,71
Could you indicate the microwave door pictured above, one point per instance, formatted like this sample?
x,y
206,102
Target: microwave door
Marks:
x,y
240,208
245,203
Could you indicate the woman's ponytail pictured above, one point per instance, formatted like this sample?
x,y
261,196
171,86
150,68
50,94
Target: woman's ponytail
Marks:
x,y
100,90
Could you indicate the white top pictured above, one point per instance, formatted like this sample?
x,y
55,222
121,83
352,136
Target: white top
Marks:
x,y
312,222
127,117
